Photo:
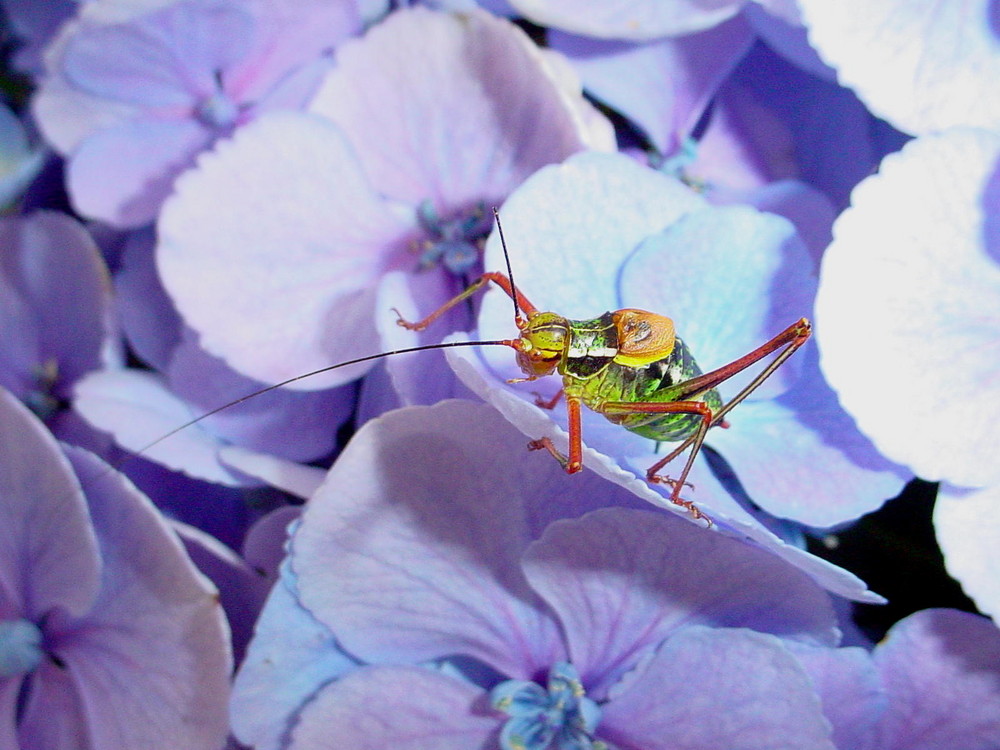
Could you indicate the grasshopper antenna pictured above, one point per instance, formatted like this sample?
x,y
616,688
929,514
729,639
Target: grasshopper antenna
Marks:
x,y
206,415
510,273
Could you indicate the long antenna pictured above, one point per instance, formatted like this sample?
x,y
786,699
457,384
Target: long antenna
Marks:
x,y
510,273
425,347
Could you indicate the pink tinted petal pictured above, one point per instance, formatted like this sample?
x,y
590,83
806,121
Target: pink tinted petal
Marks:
x,y
290,658
628,19
967,526
151,660
48,555
274,286
406,708
617,594
289,35
136,407
941,669
922,66
425,485
912,343
454,109
168,58
709,688
123,174
54,716
684,71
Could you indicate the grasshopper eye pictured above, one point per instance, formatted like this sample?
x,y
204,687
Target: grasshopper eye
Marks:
x,y
543,343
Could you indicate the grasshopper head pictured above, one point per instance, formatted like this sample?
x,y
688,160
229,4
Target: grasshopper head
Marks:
x,y
542,345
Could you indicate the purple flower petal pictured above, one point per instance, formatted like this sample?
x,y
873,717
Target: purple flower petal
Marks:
x,y
967,526
424,486
406,708
746,278
138,409
49,557
147,156
786,35
289,424
911,345
146,313
941,669
619,592
242,590
56,304
54,715
902,59
849,687
628,19
774,121
308,269
167,58
151,659
289,36
801,457
718,688
291,657
684,71
497,115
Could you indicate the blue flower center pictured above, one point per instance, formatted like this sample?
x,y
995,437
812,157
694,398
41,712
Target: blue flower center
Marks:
x,y
454,242
218,111
20,647
557,717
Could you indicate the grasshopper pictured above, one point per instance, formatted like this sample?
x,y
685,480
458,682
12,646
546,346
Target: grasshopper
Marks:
x,y
629,366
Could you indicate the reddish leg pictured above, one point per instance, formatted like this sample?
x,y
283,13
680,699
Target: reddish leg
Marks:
x,y
548,403
696,408
497,278
574,462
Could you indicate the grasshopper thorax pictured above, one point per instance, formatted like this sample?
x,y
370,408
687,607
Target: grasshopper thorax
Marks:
x,y
542,346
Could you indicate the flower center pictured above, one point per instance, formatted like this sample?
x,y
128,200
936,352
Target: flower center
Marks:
x,y
20,647
218,110
559,716
455,241
41,399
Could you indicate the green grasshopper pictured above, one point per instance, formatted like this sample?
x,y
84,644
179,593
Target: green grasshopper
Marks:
x,y
629,366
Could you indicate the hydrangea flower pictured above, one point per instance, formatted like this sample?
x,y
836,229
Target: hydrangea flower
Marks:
x,y
911,344
131,102
108,634
497,586
425,122
601,233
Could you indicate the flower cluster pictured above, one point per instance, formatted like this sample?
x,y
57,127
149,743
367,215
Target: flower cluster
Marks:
x,y
265,476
